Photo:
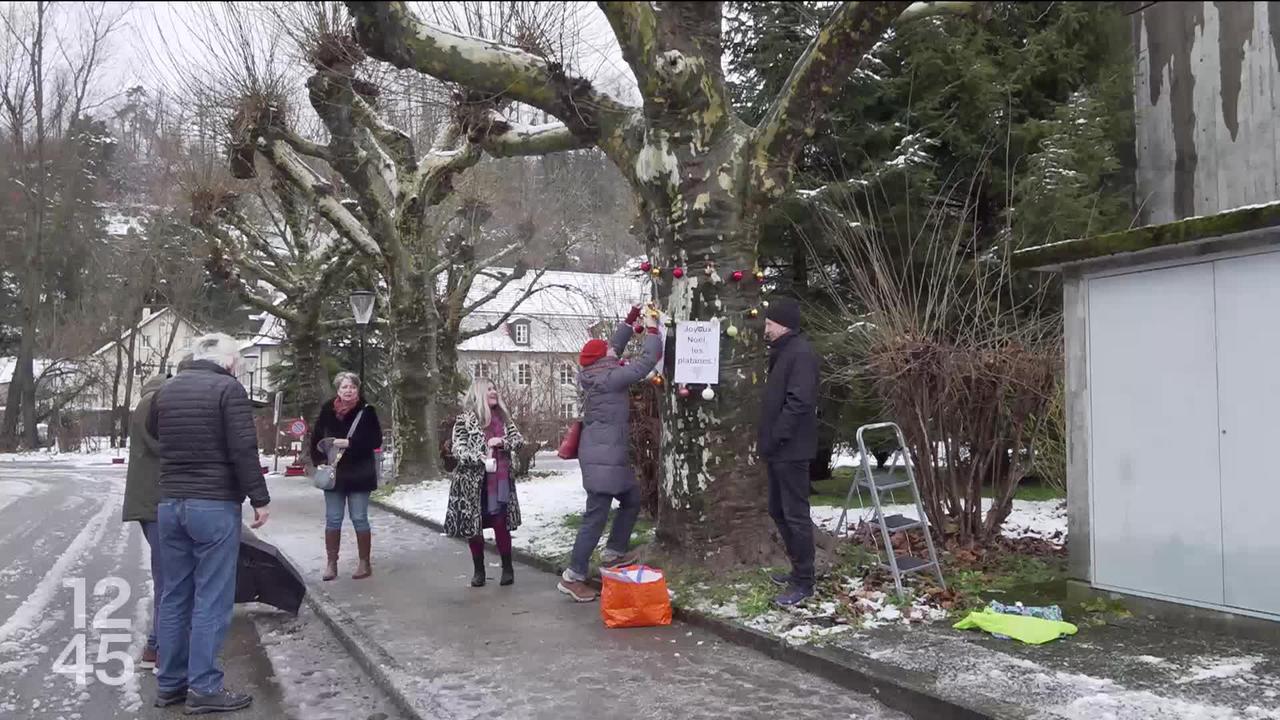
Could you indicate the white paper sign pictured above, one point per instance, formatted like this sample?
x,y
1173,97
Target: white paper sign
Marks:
x,y
698,353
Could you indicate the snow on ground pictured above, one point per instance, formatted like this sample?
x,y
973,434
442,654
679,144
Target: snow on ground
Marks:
x,y
545,502
1046,519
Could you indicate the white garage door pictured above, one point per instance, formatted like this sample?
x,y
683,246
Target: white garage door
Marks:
x,y
1248,319
1155,490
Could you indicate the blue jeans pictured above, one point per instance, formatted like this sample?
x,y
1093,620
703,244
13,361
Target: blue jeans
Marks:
x,y
593,522
200,542
356,504
151,531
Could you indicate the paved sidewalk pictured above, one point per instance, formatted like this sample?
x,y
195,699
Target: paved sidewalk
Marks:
x,y
526,651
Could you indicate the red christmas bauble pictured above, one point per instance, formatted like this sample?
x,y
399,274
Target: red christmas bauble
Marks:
x,y
684,392
646,266
677,273
737,275
638,328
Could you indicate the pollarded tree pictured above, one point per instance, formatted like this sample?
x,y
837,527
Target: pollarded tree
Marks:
x,y
381,193
282,261
703,179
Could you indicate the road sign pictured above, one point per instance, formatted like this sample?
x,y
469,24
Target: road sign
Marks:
x,y
298,428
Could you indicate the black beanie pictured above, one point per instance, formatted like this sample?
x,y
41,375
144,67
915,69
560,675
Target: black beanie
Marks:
x,y
785,311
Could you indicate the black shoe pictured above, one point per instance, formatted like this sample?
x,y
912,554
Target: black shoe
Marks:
x,y
781,579
477,579
508,572
794,595
165,698
224,701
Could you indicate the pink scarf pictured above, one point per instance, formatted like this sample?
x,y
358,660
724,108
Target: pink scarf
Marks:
x,y
342,408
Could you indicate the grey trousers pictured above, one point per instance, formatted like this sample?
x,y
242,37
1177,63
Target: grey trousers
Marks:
x,y
593,522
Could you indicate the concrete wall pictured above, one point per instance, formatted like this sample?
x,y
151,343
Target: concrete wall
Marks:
x,y
1075,318
1207,91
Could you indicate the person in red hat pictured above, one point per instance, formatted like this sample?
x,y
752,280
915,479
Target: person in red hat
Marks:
x,y
604,451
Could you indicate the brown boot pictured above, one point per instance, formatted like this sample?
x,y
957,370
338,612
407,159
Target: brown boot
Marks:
x,y
363,569
332,541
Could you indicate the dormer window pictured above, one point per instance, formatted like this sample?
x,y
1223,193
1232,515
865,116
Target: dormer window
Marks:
x,y
520,332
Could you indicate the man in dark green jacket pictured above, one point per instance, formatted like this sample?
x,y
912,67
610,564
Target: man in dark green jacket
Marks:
x,y
142,496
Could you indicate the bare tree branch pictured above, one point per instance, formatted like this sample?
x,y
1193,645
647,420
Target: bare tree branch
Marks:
x,y
320,192
389,31
517,139
636,27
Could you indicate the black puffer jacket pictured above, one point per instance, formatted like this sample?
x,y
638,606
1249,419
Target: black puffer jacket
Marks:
x,y
356,471
208,445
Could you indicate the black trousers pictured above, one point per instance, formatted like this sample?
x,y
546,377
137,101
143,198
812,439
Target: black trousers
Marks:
x,y
789,508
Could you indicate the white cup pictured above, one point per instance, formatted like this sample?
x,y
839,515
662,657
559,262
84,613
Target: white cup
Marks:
x,y
491,465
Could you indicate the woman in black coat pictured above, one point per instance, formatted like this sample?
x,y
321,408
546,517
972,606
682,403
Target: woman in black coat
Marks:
x,y
333,441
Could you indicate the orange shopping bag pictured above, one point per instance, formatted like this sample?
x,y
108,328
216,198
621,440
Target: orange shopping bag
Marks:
x,y
634,596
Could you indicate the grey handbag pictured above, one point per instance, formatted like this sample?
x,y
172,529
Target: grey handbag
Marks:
x,y
325,477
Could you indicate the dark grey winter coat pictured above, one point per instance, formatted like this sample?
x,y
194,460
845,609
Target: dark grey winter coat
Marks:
x,y
208,445
789,411
604,450
464,516
142,481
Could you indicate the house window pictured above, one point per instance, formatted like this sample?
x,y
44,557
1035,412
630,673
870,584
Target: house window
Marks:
x,y
569,410
566,374
481,370
521,333
524,374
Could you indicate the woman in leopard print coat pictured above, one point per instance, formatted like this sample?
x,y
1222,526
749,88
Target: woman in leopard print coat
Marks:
x,y
478,497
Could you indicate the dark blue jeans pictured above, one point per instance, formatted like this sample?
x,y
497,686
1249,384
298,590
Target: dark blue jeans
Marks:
x,y
593,522
151,531
200,541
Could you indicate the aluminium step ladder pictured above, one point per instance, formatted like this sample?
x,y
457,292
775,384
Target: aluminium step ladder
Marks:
x,y
899,565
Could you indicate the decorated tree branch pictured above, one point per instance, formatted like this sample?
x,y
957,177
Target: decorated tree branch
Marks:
x,y
704,180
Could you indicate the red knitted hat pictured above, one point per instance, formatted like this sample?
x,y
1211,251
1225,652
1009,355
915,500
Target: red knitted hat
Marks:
x,y
592,351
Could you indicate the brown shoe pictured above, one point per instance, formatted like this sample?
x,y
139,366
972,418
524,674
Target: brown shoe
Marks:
x,y
332,541
579,591
363,542
148,660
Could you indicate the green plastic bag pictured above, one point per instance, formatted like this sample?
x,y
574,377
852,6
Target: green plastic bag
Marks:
x,y
1030,630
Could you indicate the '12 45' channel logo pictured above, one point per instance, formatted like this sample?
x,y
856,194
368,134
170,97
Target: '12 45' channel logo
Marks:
x,y
73,659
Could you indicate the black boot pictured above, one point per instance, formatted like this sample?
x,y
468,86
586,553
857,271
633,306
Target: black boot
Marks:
x,y
477,580
508,572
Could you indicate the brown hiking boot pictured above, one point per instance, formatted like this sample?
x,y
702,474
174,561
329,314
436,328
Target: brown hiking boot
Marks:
x,y
332,541
579,591
363,542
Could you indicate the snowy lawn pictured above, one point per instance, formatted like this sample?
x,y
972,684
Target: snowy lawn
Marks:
x,y
547,504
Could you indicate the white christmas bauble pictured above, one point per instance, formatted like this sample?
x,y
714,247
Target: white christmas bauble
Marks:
x,y
732,331
708,394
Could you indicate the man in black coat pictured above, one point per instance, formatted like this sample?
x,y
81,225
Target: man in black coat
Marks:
x,y
209,463
788,441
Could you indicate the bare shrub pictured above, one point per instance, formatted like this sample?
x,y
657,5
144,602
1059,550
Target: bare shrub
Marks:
x,y
958,351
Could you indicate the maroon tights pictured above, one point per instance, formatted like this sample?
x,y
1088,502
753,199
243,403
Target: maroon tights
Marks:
x,y
499,524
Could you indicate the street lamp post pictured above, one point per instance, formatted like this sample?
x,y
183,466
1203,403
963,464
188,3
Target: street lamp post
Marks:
x,y
252,362
362,310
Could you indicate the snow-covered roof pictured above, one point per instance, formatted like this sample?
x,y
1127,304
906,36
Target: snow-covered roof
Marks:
x,y
8,364
563,294
270,332
547,334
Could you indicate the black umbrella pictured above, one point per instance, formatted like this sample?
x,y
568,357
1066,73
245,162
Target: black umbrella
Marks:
x,y
264,575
